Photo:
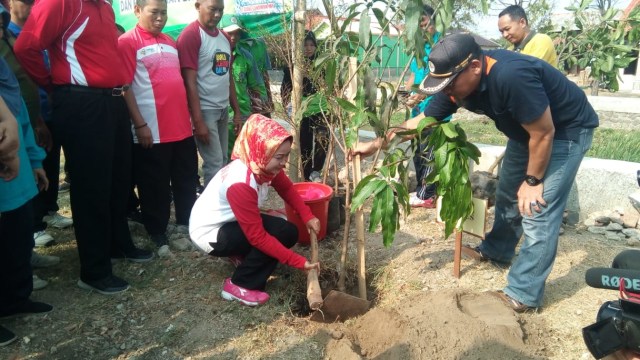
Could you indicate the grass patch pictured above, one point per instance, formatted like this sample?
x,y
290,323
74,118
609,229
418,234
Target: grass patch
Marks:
x,y
616,145
613,144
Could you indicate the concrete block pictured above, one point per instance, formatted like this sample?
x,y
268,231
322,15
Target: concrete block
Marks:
x,y
603,184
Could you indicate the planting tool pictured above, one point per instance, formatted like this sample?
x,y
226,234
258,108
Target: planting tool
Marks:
x,y
337,306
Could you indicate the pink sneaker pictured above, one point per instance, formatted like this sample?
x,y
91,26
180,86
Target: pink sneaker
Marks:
x,y
416,202
230,291
236,260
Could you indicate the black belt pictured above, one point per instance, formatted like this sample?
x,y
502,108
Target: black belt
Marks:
x,y
116,91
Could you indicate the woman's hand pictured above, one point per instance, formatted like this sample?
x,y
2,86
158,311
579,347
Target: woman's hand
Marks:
x,y
310,266
313,225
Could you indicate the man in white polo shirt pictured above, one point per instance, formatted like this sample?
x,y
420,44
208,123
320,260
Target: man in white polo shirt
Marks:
x,y
164,153
205,59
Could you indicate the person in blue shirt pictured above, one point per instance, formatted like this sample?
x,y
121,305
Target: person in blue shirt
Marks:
x,y
16,219
549,123
425,194
45,205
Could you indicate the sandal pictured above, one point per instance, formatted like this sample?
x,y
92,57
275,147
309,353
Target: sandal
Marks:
x,y
514,304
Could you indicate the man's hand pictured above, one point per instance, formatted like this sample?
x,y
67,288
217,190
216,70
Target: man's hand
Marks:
x,y
365,149
145,139
9,141
41,179
414,99
9,167
201,132
530,199
237,124
43,136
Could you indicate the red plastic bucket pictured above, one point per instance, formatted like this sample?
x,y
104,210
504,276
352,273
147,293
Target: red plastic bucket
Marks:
x,y
317,197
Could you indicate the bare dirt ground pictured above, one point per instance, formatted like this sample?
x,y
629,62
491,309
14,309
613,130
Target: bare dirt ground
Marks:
x,y
174,310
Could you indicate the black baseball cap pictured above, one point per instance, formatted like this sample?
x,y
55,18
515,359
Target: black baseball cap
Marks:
x,y
448,58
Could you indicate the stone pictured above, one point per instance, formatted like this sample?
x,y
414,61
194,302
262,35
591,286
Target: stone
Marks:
x,y
561,230
164,252
589,222
631,220
596,229
181,244
631,232
604,220
613,227
573,218
613,235
616,219
633,242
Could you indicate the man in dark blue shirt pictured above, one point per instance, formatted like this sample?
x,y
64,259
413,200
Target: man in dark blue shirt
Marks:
x,y
549,123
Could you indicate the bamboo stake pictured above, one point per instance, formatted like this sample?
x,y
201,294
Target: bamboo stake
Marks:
x,y
345,235
362,280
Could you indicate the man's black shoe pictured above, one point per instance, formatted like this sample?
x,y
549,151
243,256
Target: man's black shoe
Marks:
x,y
30,307
6,336
108,286
199,189
475,254
136,255
135,216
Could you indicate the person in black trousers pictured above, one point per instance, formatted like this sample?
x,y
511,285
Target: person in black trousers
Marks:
x,y
314,133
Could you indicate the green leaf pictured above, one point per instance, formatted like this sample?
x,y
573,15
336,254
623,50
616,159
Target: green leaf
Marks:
x,y
424,122
368,186
402,196
376,212
349,18
330,74
346,105
389,216
449,130
365,30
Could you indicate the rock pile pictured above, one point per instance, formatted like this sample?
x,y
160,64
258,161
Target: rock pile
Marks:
x,y
614,226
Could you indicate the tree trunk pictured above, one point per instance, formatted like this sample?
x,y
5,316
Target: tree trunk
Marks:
x,y
297,47
595,87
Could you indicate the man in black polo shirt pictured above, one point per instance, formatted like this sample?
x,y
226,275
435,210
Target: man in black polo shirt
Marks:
x,y
549,123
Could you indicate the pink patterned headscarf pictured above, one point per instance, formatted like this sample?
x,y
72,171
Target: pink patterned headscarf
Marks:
x,y
256,144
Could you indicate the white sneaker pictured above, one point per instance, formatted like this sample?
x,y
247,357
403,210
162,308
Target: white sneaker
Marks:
x,y
42,261
42,239
57,221
39,283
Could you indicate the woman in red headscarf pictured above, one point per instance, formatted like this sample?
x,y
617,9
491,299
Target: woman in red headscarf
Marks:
x,y
226,219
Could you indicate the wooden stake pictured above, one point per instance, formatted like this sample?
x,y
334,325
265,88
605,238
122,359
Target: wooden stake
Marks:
x,y
345,235
314,293
362,276
457,254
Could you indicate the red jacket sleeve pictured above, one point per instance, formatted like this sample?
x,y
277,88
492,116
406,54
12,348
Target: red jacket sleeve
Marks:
x,y
45,25
285,189
188,46
244,203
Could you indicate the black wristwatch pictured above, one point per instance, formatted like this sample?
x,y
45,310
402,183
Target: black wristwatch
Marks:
x,y
532,180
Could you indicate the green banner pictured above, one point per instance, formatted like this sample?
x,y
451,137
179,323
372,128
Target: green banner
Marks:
x,y
258,16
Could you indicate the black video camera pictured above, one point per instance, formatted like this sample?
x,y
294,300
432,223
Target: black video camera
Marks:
x,y
617,324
